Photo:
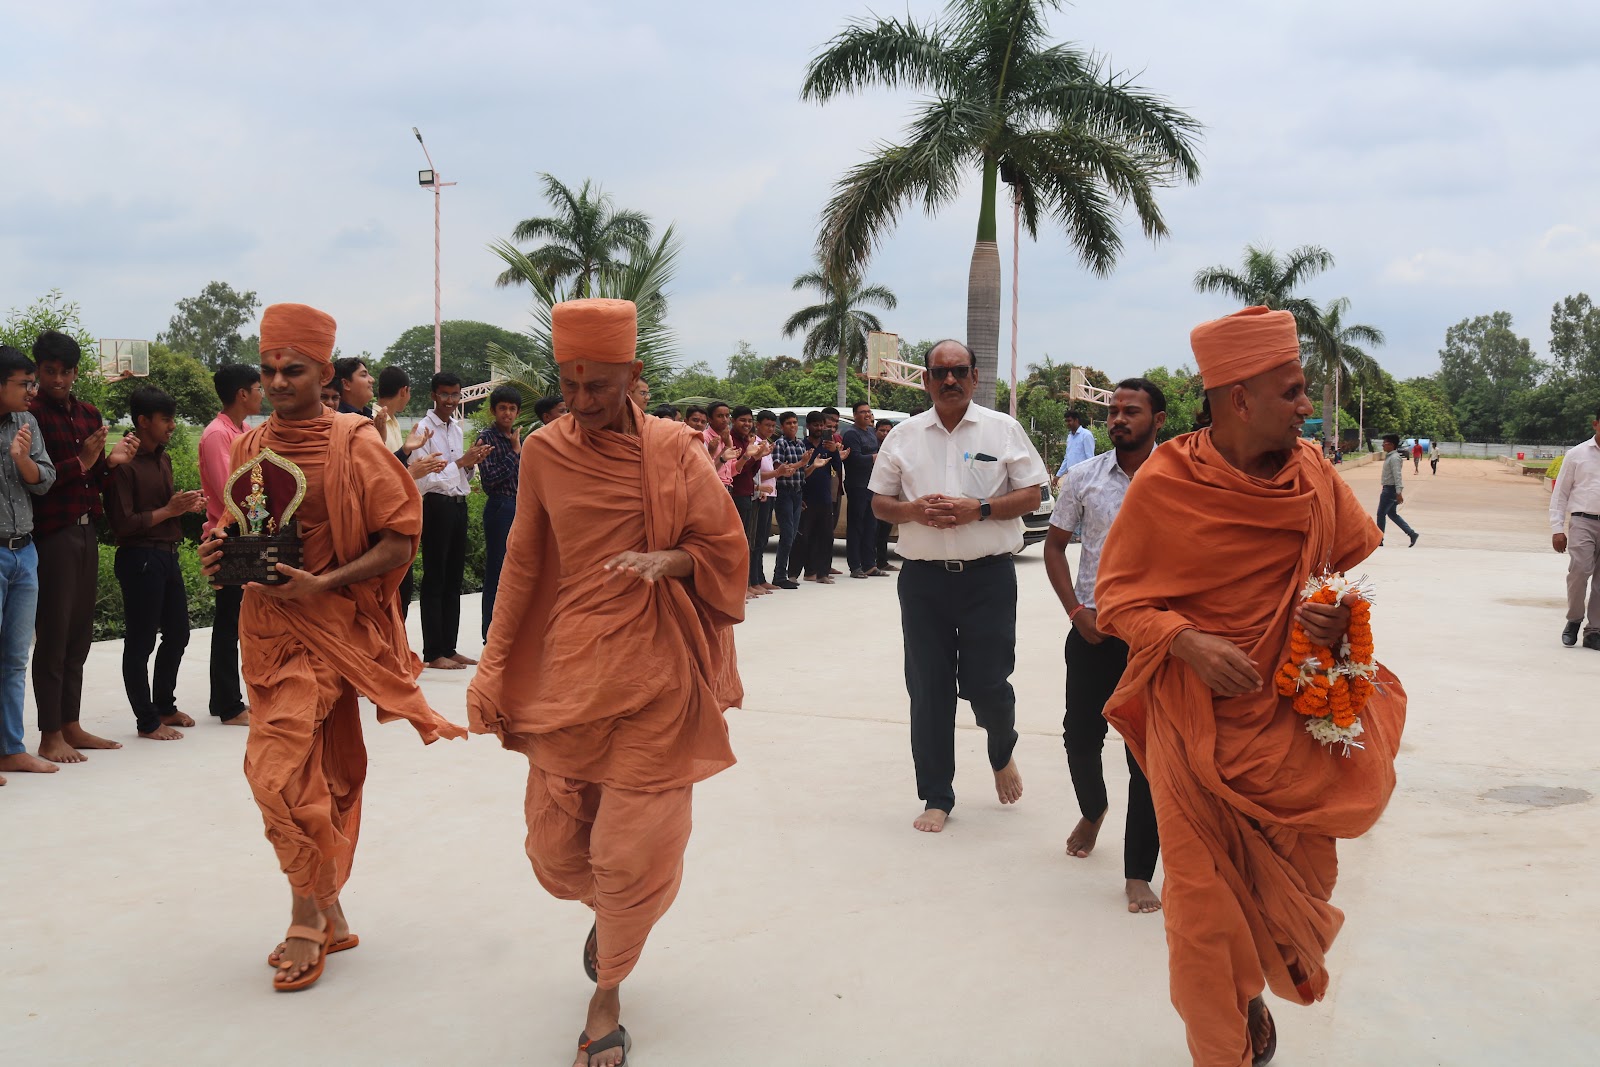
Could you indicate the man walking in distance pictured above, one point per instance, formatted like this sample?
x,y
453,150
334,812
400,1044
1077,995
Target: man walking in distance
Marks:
x,y
1392,495
861,526
610,661
239,388
498,475
444,526
1249,803
957,479
329,633
1575,530
1080,444
64,531
790,456
1416,456
143,509
1091,495
26,473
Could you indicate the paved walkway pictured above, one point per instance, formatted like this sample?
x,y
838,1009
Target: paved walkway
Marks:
x,y
815,927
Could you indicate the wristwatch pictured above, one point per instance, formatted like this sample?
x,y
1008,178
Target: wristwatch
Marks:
x,y
983,510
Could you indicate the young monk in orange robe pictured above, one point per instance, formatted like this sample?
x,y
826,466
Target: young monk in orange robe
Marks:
x,y
1248,804
610,660
332,631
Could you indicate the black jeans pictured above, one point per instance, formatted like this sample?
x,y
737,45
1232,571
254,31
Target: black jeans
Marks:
x,y
746,507
758,546
861,530
444,560
498,514
884,530
226,699
788,531
1389,507
1093,672
960,631
153,601
816,535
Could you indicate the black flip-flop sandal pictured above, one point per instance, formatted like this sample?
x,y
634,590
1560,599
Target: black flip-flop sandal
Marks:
x,y
1264,1057
617,1038
591,954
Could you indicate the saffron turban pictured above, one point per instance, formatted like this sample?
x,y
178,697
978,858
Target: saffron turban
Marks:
x,y
300,327
1242,345
604,331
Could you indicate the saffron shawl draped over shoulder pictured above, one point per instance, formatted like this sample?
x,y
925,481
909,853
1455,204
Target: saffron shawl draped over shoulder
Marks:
x,y
601,677
358,629
1198,544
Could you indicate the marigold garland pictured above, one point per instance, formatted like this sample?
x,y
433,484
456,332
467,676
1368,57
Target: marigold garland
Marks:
x,y
1331,687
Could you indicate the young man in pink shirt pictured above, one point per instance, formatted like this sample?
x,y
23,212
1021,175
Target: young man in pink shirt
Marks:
x,y
239,388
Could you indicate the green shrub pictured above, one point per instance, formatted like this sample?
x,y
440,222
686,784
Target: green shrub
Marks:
x,y
1554,468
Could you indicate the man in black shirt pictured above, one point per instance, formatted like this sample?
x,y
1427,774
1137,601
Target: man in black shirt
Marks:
x,y
816,521
861,526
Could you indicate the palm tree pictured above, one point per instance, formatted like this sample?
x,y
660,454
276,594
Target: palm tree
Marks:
x,y
1270,280
585,236
1073,140
1336,355
642,279
838,325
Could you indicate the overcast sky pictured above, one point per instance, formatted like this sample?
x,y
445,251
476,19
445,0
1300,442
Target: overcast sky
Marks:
x,y
1448,154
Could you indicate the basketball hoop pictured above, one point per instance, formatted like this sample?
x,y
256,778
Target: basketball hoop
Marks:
x,y
1082,390
124,359
882,348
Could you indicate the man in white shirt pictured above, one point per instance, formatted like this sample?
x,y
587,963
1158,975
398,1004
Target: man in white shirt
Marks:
x,y
1080,444
1089,501
957,479
444,525
1575,530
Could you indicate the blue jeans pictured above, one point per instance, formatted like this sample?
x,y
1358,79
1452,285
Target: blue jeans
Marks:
x,y
1388,507
19,600
788,528
498,513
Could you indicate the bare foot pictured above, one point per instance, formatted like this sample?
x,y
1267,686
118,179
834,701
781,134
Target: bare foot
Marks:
x,y
27,763
177,718
825,580
1008,783
465,661
1081,841
241,719
605,1015
163,733
1263,1033
53,747
445,663
76,736
1141,898
931,821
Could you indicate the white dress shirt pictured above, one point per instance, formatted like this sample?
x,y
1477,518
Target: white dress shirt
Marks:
x,y
985,457
1577,485
449,441
1089,501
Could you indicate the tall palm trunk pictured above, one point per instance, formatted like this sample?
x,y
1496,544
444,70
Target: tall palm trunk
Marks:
x,y
983,293
844,369
1330,413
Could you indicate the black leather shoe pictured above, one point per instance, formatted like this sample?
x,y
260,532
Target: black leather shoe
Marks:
x,y
1592,640
1413,543
1569,636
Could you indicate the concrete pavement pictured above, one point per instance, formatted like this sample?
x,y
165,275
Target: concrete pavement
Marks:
x,y
815,927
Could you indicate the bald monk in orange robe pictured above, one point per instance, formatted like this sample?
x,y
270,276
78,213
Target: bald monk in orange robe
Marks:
x,y
1249,804
610,661
328,633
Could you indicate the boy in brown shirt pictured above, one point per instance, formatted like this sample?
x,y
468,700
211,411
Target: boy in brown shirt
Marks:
x,y
143,512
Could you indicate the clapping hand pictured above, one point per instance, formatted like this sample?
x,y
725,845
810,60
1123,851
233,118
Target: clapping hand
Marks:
x,y
472,457
421,433
94,448
124,450
21,443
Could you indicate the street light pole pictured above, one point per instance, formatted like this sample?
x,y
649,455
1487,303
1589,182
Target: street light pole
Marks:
x,y
431,177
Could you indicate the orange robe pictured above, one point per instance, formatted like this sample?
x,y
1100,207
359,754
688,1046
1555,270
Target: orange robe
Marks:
x,y
1248,804
613,687
306,660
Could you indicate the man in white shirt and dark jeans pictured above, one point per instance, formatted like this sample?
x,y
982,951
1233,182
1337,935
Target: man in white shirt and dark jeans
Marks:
x,y
444,525
1575,530
957,479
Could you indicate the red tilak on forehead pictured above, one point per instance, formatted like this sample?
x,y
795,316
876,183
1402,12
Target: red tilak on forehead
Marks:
x,y
579,370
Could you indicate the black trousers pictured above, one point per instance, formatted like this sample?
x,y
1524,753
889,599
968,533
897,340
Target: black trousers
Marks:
x,y
884,529
1093,672
444,561
226,699
960,632
153,601
861,530
746,507
816,540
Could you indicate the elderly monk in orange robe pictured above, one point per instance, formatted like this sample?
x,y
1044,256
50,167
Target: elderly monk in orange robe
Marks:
x,y
1248,803
328,633
610,661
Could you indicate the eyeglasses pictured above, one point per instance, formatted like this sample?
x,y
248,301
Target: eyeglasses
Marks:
x,y
27,385
939,374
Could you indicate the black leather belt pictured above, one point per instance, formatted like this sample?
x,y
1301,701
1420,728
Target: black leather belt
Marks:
x,y
956,566
1585,515
15,543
